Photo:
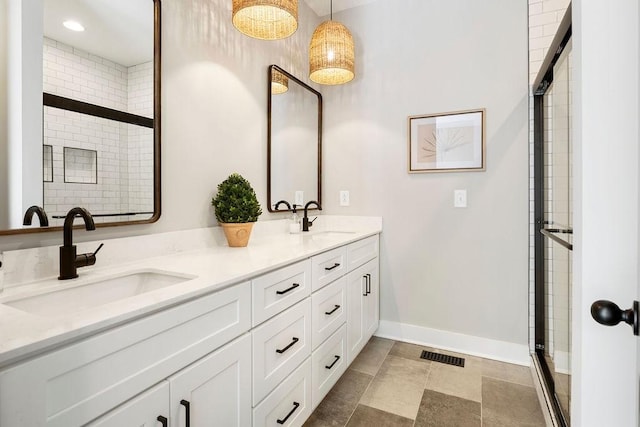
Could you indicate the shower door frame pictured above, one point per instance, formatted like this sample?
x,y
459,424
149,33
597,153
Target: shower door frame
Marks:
x,y
541,84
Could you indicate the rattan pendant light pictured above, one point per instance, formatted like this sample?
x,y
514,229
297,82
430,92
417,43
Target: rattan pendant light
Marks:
x,y
331,53
279,82
266,19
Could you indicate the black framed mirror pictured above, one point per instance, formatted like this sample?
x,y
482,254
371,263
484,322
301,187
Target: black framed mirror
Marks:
x,y
97,91
294,140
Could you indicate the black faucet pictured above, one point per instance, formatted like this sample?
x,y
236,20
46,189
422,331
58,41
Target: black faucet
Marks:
x,y
42,216
282,202
69,261
305,219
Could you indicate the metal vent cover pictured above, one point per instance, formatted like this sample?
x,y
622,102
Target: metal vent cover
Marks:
x,y
442,358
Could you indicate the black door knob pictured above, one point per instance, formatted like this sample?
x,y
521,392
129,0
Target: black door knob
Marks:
x,y
609,314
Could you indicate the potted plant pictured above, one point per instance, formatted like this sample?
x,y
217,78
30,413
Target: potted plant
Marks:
x,y
237,208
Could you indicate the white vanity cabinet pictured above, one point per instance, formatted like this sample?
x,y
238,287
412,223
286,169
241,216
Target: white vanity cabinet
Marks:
x,y
79,383
263,352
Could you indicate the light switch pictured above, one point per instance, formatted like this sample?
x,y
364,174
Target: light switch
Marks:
x,y
344,198
460,198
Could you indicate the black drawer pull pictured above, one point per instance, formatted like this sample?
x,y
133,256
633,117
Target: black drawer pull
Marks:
x,y
284,420
329,313
336,265
368,283
334,362
187,417
295,340
295,285
163,420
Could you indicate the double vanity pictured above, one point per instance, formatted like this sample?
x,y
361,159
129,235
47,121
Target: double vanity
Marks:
x,y
195,333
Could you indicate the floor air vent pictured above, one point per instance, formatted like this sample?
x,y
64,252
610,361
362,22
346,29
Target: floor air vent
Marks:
x,y
442,358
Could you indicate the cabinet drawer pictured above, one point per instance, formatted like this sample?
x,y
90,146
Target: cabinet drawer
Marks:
x,y
328,266
328,363
82,381
290,403
328,308
279,346
280,289
362,251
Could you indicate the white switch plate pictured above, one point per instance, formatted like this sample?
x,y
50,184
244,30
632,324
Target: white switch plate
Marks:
x,y
344,198
299,198
460,198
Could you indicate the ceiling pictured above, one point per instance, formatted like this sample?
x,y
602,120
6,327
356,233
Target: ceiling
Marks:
x,y
118,30
323,7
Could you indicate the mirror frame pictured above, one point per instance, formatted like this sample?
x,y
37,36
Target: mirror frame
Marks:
x,y
269,138
157,204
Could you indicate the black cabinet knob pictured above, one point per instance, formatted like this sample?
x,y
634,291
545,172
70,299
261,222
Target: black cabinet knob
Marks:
x,y
609,314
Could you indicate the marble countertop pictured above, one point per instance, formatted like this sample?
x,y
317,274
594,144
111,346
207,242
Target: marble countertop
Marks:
x,y
23,334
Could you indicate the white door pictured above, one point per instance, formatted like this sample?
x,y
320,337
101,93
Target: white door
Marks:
x,y
149,409
606,215
216,390
356,292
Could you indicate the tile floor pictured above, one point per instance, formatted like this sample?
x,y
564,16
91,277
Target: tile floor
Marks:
x,y
390,385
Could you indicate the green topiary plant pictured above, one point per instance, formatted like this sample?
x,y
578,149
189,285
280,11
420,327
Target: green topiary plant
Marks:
x,y
236,202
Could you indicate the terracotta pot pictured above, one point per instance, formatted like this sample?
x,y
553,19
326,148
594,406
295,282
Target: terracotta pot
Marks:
x,y
237,234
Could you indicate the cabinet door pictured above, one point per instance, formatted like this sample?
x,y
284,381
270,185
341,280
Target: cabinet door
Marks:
x,y
362,307
356,293
216,390
372,300
149,409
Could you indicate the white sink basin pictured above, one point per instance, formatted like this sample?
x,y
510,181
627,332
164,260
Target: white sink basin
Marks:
x,y
72,297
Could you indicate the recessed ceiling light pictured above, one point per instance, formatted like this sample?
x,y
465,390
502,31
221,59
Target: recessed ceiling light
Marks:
x,y
73,25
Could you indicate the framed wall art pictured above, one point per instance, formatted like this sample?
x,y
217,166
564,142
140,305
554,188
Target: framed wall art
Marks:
x,y
447,142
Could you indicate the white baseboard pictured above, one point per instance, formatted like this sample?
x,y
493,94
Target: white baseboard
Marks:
x,y
468,344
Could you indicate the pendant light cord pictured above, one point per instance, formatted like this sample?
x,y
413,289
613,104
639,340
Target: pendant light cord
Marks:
x,y
331,10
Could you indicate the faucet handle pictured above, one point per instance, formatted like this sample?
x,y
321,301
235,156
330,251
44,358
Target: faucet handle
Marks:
x,y
96,251
84,260
309,223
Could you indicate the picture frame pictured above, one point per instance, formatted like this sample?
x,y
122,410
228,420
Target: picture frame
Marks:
x,y
447,142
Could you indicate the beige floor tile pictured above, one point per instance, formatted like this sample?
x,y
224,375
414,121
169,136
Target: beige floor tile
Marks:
x,y
507,372
465,383
365,416
409,351
398,387
509,404
372,355
338,406
441,410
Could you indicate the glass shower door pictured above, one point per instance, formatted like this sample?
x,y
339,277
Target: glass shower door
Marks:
x,y
558,231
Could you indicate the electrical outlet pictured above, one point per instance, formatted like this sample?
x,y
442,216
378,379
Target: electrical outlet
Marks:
x,y
299,198
460,198
344,198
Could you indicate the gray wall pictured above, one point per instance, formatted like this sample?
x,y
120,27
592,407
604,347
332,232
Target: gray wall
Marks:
x,y
446,268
